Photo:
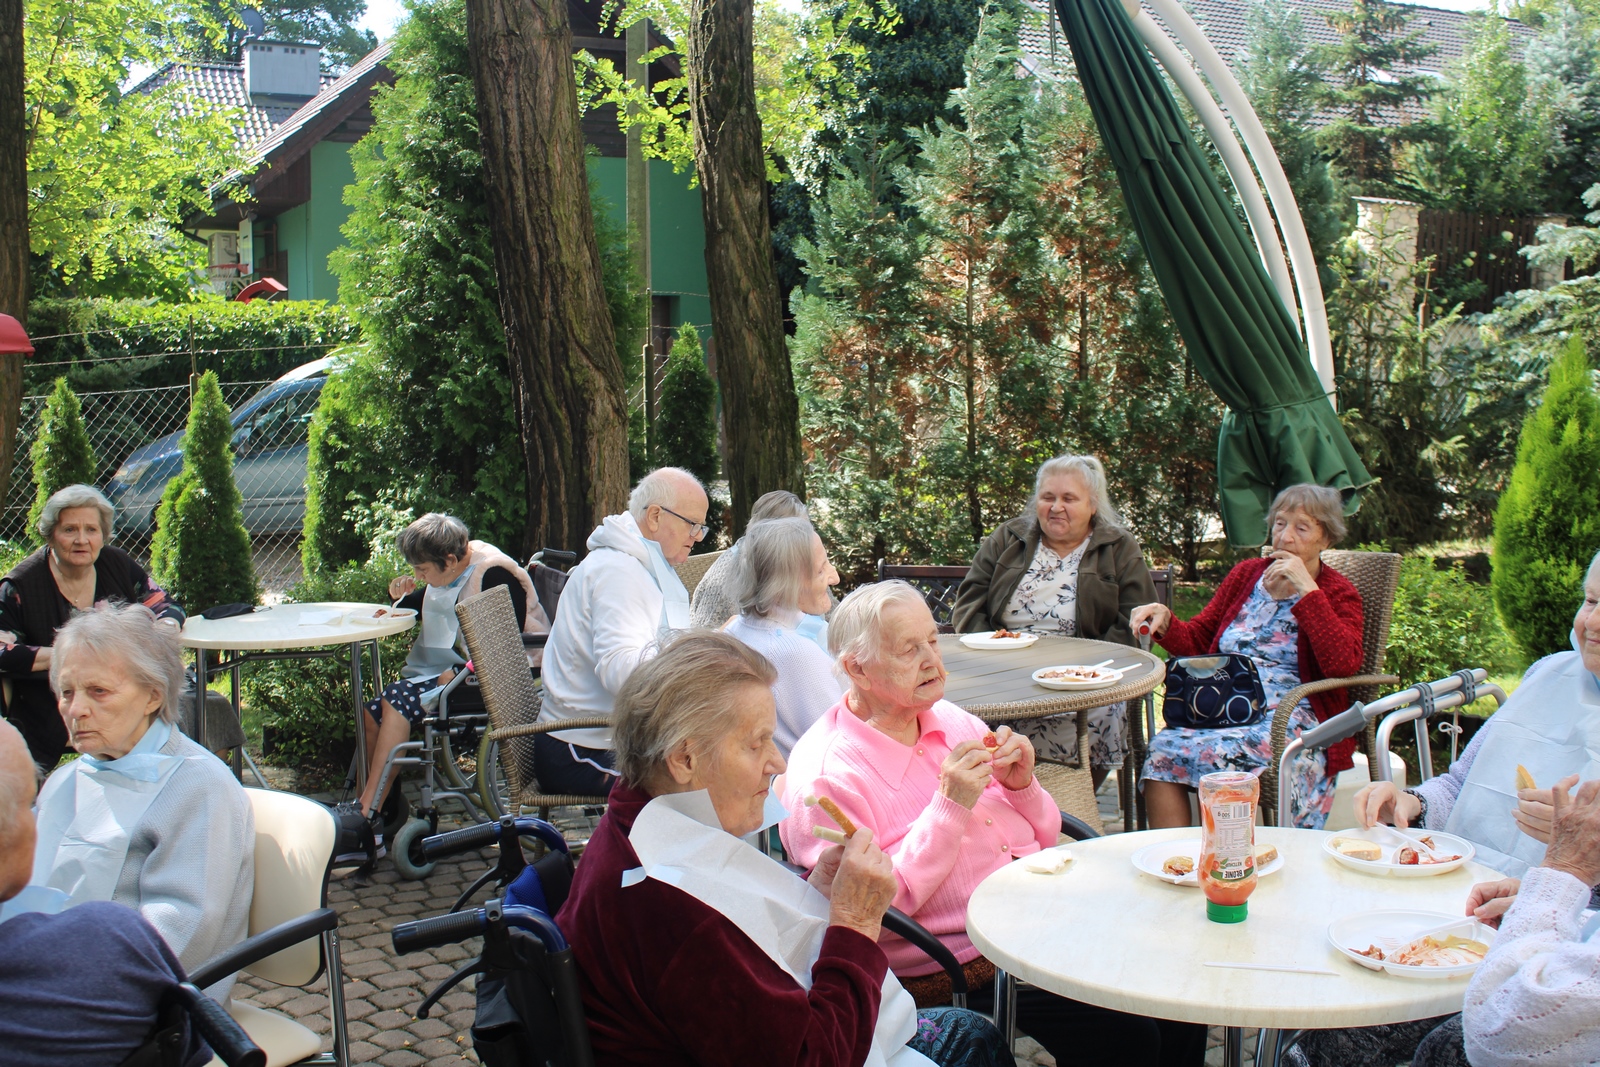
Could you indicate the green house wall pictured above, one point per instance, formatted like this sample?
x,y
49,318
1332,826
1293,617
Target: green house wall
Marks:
x,y
310,232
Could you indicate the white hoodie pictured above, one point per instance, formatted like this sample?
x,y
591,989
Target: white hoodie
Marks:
x,y
609,620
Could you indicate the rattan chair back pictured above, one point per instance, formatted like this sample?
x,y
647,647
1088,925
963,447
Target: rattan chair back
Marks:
x,y
938,586
1376,576
691,570
494,640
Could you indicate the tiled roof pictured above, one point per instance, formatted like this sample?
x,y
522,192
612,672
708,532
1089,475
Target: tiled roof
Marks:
x,y
223,84
332,90
1224,24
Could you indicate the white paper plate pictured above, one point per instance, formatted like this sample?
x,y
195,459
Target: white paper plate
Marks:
x,y
1442,842
1353,933
366,617
1108,677
1148,860
991,643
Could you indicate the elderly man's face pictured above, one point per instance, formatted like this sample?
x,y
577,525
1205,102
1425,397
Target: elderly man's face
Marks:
x,y
679,526
738,774
106,710
1587,623
18,784
908,672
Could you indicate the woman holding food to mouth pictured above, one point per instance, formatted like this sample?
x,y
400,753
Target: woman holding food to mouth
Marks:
x,y
1066,567
949,802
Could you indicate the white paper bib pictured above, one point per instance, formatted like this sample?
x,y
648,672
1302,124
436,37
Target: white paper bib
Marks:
x,y
680,841
1552,727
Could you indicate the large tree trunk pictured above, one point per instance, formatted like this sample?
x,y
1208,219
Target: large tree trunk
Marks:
x,y
13,223
759,410
566,377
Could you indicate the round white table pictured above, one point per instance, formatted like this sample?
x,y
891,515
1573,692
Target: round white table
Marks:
x,y
1102,933
294,631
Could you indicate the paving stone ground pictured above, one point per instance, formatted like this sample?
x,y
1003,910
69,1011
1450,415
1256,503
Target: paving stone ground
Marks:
x,y
383,989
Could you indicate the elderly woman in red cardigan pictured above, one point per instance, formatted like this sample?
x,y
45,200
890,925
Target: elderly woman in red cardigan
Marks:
x,y
1298,621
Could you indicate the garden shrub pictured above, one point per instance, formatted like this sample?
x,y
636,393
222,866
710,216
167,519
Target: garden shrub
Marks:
x,y
1443,622
686,425
1548,524
201,552
61,454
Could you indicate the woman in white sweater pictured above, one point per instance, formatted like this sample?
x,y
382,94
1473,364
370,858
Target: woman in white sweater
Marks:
x,y
781,576
145,817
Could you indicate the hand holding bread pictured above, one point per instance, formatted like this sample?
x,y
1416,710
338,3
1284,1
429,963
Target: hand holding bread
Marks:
x,y
862,886
1534,810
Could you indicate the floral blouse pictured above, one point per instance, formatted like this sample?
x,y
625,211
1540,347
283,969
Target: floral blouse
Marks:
x,y
1265,630
1046,600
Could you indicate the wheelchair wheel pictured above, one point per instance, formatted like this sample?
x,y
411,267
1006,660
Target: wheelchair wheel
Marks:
x,y
406,850
395,811
492,788
460,779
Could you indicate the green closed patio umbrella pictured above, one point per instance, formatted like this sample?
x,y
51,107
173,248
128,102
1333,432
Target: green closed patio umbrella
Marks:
x,y
1280,428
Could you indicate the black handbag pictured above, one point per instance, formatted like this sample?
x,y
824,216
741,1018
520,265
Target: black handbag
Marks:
x,y
1209,692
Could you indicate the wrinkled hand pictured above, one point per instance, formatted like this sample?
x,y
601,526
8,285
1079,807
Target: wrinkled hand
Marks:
x,y
402,586
1575,832
966,773
862,886
1286,576
827,869
1488,901
1534,811
1387,803
1159,616
1012,763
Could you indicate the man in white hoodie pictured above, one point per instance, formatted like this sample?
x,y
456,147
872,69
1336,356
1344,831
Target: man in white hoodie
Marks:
x,y
618,603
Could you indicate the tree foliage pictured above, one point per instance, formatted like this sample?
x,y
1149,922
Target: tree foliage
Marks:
x,y
1548,523
330,23
61,454
1564,69
201,553
686,428
111,175
1442,623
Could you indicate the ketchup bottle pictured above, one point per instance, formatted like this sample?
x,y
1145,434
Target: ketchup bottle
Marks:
x,y
1228,843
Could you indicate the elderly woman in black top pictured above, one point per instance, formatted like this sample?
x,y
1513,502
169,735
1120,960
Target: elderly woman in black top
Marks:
x,y
74,570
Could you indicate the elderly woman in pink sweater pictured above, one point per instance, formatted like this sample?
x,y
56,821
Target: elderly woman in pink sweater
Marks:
x,y
898,758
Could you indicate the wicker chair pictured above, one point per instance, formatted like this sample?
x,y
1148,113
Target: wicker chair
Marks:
x,y
1375,575
489,625
691,570
937,585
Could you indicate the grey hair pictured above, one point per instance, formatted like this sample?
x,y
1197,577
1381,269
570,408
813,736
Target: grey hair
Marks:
x,y
685,695
433,537
1324,505
1093,473
76,496
770,571
660,486
130,633
855,629
778,504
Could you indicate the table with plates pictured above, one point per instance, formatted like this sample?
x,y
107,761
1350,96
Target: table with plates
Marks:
x,y
1102,933
997,686
295,631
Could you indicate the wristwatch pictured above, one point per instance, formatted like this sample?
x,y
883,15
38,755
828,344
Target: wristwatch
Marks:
x,y
1422,814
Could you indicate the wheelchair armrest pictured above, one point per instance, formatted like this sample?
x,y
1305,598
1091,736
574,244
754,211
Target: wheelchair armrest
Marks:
x,y
1076,828
226,1037
257,948
534,640
898,922
530,729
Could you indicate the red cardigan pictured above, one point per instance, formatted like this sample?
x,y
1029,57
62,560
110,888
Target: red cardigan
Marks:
x,y
669,980
1329,644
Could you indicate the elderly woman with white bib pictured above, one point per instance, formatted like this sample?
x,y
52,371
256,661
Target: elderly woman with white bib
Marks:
x,y
697,949
781,578
1550,726
145,817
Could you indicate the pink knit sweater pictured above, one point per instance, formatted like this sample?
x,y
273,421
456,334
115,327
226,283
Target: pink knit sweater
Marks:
x,y
941,851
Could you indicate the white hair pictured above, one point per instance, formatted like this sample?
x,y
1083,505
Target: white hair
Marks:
x,y
76,496
1093,473
771,568
126,632
659,487
855,629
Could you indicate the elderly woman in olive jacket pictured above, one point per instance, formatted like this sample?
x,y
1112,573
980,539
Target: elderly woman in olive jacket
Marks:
x,y
1068,568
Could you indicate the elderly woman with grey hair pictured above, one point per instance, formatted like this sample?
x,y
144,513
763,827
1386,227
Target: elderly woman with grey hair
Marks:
x,y
75,569
145,817
713,604
1298,620
782,577
1066,567
695,947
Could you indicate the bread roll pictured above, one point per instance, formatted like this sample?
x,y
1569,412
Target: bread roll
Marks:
x,y
1524,779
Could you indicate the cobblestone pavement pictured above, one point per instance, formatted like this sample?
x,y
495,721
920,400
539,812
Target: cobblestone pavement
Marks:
x,y
383,989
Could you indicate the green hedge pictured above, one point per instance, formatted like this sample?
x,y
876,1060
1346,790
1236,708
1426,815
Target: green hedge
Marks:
x,y
102,345
1442,623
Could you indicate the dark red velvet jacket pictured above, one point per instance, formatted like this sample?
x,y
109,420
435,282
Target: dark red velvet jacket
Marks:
x,y
1329,645
668,980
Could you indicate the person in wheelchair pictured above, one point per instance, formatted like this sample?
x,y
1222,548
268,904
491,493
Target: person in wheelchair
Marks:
x,y
82,986
692,946
450,567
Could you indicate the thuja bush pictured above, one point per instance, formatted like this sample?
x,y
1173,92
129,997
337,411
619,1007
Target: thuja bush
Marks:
x,y
61,454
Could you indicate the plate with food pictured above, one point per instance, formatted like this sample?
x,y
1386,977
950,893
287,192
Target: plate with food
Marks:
x,y
1408,854
1071,677
999,639
1412,944
1174,861
376,615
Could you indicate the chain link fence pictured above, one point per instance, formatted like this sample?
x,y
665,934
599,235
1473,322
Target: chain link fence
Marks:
x,y
137,439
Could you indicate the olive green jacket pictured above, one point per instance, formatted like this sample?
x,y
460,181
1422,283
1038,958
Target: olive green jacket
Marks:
x,y
1112,580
